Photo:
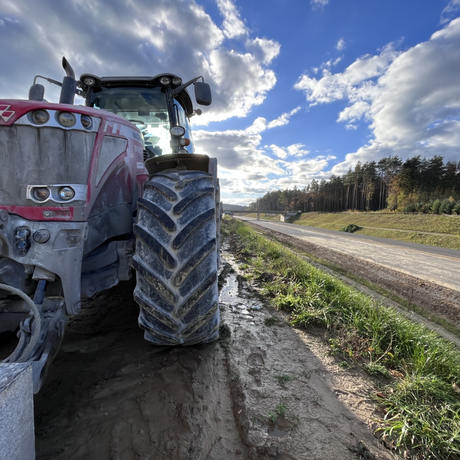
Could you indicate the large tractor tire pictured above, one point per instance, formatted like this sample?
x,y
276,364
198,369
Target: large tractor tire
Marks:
x,y
176,259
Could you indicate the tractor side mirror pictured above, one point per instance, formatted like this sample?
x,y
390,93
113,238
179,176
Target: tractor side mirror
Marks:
x,y
36,92
203,93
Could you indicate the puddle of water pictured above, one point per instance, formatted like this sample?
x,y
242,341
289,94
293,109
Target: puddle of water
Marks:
x,y
229,292
230,297
274,430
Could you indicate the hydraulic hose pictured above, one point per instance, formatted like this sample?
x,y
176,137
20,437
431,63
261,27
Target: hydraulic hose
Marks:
x,y
18,355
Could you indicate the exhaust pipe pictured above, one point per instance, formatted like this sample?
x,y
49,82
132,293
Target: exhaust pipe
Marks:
x,y
69,84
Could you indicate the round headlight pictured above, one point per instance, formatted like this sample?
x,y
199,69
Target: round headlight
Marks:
x,y
177,81
41,193
178,131
66,193
41,236
165,81
40,117
89,81
86,121
66,119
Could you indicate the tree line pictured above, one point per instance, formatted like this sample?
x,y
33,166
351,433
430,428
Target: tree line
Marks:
x,y
427,185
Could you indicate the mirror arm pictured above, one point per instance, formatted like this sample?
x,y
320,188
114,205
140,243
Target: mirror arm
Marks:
x,y
50,80
54,82
181,88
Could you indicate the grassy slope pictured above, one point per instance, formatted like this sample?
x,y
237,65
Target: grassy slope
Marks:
x,y
401,227
275,218
421,398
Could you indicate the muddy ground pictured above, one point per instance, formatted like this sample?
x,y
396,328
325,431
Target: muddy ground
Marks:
x,y
263,391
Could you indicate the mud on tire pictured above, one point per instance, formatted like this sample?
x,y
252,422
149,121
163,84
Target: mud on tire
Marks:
x,y
176,259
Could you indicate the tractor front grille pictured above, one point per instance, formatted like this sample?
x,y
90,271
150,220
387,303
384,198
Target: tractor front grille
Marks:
x,y
41,156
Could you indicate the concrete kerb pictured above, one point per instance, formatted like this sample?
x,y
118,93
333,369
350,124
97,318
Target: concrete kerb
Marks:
x,y
17,440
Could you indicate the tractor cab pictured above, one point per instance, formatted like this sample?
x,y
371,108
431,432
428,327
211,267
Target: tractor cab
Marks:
x,y
159,106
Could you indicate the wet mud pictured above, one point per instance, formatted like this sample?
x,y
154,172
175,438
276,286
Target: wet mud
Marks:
x,y
263,391
111,395
292,400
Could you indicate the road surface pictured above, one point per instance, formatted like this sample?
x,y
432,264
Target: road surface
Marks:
x,y
437,265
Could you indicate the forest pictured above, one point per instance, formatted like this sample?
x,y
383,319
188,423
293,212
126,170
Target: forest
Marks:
x,y
422,185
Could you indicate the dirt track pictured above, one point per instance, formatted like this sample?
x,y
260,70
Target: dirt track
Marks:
x,y
264,391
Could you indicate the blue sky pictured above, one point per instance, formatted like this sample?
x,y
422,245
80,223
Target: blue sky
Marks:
x,y
302,89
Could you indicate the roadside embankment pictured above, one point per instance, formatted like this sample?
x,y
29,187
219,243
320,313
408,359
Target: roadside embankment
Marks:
x,y
419,372
430,229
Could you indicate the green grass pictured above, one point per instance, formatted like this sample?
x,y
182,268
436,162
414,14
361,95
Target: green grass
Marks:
x,y
274,218
422,403
419,222
282,379
378,289
270,321
402,227
280,411
442,241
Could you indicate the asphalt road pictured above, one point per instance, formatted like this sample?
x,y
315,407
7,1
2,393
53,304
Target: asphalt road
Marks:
x,y
437,265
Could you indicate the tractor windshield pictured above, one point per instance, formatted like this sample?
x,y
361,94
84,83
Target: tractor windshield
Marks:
x,y
145,107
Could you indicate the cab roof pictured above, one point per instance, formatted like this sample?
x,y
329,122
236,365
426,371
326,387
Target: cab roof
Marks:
x,y
141,81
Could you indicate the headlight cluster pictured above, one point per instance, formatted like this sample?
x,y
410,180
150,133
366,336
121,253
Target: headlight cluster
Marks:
x,y
64,119
165,81
59,194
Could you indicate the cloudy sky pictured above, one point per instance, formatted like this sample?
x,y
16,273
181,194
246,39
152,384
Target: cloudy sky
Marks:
x,y
302,89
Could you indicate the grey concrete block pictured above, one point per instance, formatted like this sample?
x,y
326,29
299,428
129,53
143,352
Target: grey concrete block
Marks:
x,y
17,440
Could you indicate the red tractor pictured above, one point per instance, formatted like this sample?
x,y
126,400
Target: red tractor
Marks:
x,y
89,192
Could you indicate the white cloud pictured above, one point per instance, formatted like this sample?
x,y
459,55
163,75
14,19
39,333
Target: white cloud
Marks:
x,y
151,39
328,64
341,44
248,170
319,3
233,26
283,119
331,87
411,98
304,170
354,112
279,151
294,150
449,11
297,150
237,148
263,49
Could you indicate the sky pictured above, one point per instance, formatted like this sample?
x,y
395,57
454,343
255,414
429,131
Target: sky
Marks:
x,y
302,89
